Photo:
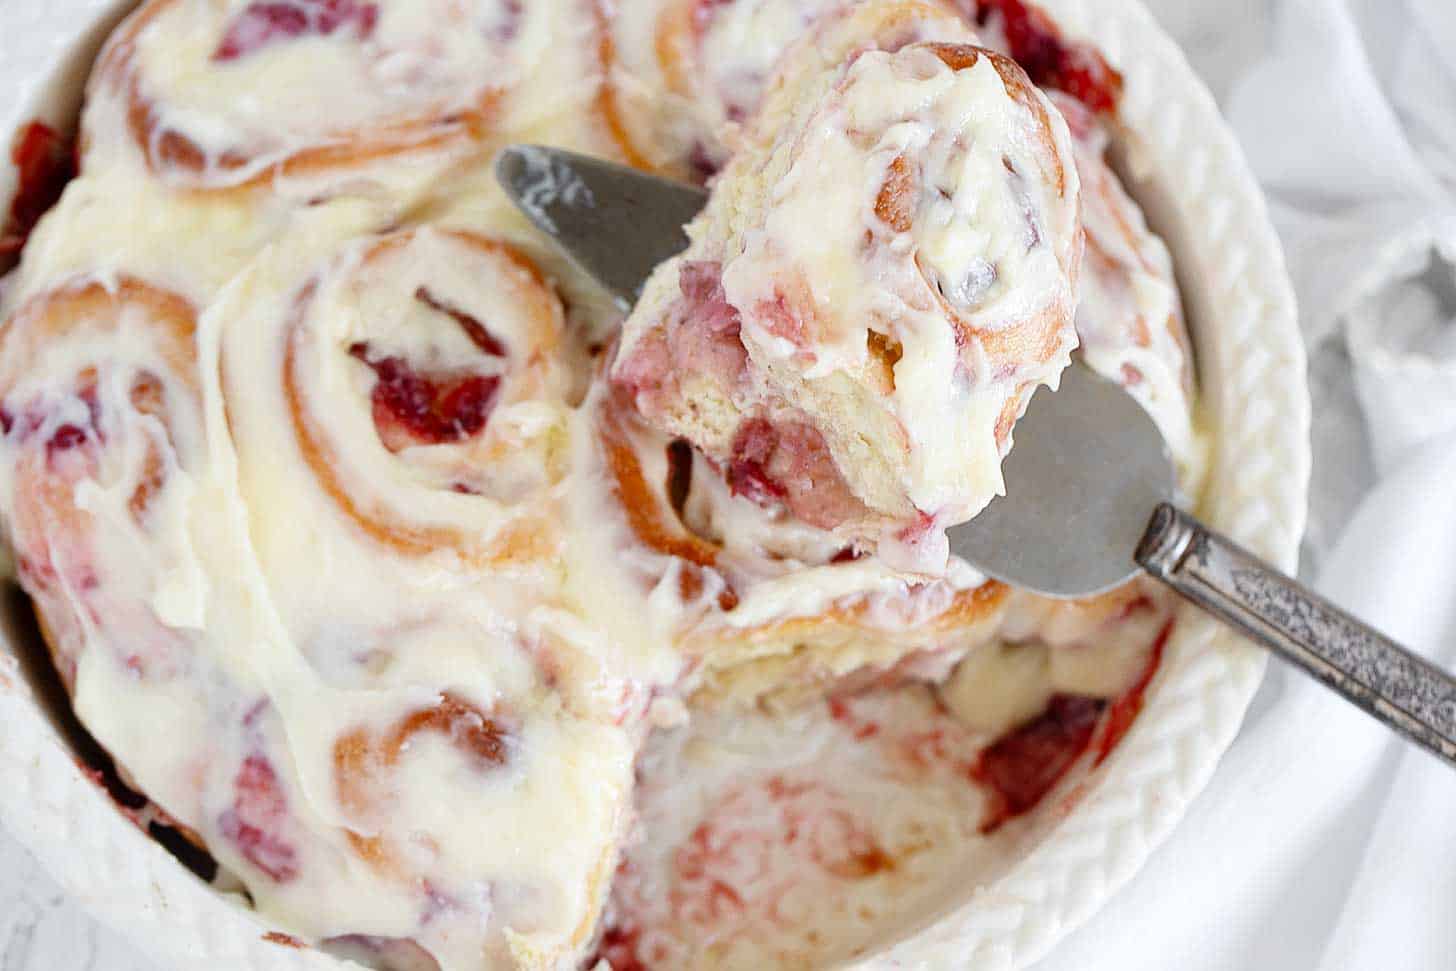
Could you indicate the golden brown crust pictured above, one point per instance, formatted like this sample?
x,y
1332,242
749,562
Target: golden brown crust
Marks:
x,y
649,516
675,42
56,313
653,523
609,99
895,204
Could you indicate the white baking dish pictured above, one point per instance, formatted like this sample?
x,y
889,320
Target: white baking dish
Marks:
x,y
1189,175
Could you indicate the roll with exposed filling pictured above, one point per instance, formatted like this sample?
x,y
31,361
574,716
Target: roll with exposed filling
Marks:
x,y
882,277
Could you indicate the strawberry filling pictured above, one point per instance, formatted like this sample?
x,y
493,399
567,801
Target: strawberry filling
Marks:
x,y
619,948
707,307
416,408
66,438
1122,712
411,408
1023,765
269,22
700,336
755,448
259,810
807,819
1051,62
789,463
741,866
44,165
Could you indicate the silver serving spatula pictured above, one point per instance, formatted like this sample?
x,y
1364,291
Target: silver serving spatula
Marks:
x,y
1089,483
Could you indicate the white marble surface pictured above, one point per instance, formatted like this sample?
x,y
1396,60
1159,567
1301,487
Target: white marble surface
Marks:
x,y
42,930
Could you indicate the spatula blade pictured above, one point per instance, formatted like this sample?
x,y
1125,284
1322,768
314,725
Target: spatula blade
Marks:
x,y
1087,469
616,223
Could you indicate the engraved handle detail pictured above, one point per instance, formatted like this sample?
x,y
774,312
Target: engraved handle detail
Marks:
x,y
1404,691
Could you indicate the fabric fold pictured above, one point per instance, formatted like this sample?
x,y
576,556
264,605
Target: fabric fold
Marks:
x,y
1321,842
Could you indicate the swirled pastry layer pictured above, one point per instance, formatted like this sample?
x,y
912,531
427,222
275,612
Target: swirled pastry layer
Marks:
x,y
883,276
230,93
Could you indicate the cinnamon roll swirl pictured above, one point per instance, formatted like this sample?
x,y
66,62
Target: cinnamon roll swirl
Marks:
x,y
399,408
368,693
101,420
218,95
881,279
450,347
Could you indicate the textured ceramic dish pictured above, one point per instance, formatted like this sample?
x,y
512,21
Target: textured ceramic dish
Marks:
x,y
1190,176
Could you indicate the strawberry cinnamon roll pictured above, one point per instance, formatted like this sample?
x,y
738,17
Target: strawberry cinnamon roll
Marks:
x,y
103,450
102,433
881,279
227,93
423,380
688,75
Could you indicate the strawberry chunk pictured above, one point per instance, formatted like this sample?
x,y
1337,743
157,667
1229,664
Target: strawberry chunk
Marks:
x,y
619,946
1022,766
1124,711
44,165
1049,60
789,462
411,408
268,22
259,811
754,449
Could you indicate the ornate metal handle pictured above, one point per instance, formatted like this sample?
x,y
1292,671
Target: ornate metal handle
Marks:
x,y
1406,692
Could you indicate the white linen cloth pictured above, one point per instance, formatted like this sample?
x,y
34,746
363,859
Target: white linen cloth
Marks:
x,y
1323,842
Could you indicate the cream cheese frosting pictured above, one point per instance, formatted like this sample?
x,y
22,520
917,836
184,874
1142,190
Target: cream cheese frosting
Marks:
x,y
353,559
217,94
